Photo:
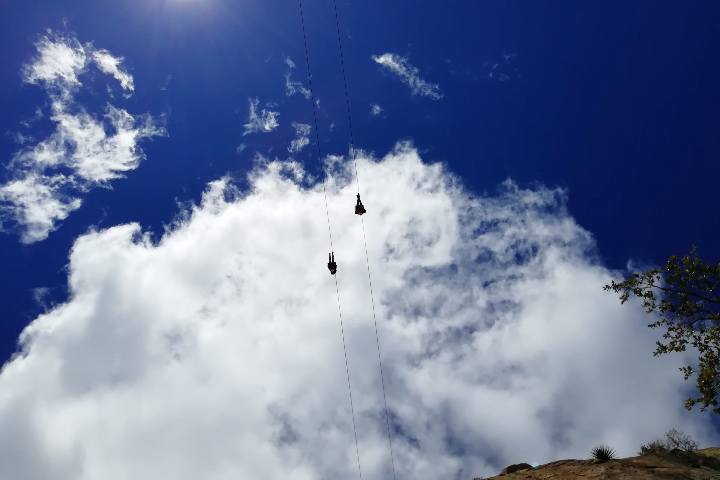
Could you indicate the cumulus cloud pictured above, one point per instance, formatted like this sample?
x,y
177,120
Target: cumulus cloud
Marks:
x,y
260,120
375,109
409,75
302,137
294,86
215,353
84,151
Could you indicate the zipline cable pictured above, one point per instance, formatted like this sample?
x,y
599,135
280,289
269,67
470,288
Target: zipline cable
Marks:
x,y
362,221
327,214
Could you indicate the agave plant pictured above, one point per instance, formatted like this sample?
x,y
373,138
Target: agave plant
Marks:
x,y
603,453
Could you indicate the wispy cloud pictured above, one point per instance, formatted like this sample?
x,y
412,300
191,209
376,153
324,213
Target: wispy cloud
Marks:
x,y
502,69
408,74
302,137
260,120
38,115
110,65
37,202
294,86
41,296
167,82
21,138
59,62
83,152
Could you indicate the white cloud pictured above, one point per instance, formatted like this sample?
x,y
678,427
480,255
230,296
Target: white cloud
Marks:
x,y
375,109
38,115
59,62
109,64
62,59
409,75
260,121
41,296
83,152
38,203
294,86
302,137
21,139
98,157
82,143
215,353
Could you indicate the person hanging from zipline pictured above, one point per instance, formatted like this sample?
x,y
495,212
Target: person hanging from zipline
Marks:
x,y
359,207
332,266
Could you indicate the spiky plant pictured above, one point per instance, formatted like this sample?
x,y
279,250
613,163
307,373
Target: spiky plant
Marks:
x,y
603,453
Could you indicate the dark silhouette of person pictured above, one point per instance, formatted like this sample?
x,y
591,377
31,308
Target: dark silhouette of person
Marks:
x,y
332,266
359,207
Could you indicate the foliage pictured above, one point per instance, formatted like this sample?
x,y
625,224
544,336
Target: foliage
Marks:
x,y
603,453
680,440
685,295
673,439
656,446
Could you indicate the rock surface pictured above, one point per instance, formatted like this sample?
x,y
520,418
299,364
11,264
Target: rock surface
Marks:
x,y
703,464
515,468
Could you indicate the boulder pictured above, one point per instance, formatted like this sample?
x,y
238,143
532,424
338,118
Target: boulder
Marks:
x,y
516,467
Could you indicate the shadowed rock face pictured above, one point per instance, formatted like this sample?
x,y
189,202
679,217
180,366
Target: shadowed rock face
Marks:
x,y
672,465
516,468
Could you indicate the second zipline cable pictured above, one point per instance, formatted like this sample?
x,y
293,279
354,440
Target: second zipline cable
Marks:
x,y
327,213
362,221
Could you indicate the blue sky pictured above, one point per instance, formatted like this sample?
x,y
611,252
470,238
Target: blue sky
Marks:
x,y
614,103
